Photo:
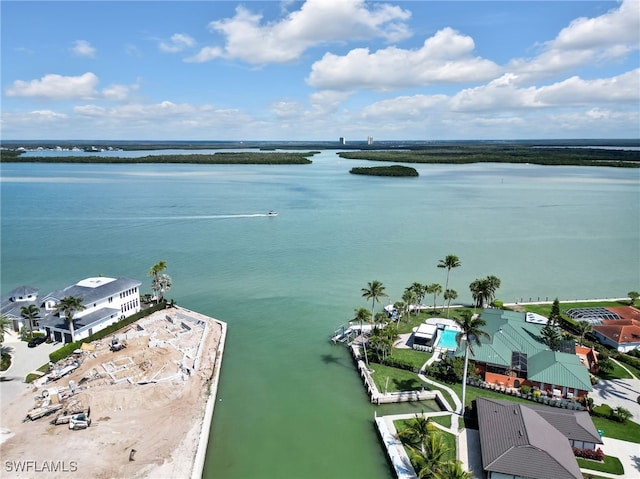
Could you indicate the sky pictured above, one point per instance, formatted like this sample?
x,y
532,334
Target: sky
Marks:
x,y
317,70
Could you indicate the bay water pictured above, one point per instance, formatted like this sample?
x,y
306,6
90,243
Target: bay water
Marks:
x,y
290,404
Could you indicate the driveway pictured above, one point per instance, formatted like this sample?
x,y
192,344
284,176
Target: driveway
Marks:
x,y
25,360
618,393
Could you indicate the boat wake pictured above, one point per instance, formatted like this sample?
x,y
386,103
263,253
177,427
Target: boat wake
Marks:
x,y
204,217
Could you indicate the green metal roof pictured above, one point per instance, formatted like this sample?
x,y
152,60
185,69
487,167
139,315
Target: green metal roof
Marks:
x,y
554,367
509,332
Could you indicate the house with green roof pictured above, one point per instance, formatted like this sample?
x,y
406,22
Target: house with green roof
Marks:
x,y
516,355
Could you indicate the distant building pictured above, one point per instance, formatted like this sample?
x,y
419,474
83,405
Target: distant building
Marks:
x,y
369,140
343,140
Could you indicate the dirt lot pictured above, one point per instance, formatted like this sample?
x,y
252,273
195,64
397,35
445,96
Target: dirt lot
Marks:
x,y
148,397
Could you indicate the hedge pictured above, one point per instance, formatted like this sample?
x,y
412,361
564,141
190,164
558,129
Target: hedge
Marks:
x,y
68,349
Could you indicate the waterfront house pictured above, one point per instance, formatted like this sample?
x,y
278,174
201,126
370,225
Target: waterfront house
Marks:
x,y
621,334
11,305
515,355
106,301
534,442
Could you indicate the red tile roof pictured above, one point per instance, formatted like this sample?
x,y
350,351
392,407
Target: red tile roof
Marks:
x,y
620,330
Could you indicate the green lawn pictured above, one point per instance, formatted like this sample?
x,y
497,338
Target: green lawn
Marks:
x,y
618,372
444,421
416,358
611,464
399,379
545,309
630,431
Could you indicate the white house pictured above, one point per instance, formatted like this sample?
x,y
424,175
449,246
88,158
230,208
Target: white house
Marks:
x,y
12,304
106,301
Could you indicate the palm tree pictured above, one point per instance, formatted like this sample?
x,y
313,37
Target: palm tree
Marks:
x,y
451,470
483,290
435,289
427,462
400,307
30,314
417,432
583,328
409,297
163,284
493,283
67,307
471,332
449,262
363,316
419,291
155,271
449,295
5,326
374,291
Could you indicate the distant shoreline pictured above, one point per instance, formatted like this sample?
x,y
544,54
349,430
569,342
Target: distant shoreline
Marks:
x,y
621,154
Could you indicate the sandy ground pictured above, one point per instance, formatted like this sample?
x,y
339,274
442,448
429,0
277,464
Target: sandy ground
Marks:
x,y
150,396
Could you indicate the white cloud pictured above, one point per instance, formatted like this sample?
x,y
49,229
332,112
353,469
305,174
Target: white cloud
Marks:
x,y
316,22
178,42
82,48
59,87
445,57
56,87
206,54
504,93
623,88
415,106
586,41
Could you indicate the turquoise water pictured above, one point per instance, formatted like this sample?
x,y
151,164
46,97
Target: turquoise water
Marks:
x,y
447,339
290,403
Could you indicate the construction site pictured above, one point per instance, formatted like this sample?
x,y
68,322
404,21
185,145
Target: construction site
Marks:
x,y
130,405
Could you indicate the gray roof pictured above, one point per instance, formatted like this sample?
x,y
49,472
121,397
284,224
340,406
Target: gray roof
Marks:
x,y
516,440
574,425
83,323
12,308
93,295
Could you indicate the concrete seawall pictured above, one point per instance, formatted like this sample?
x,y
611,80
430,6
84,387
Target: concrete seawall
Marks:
x,y
198,463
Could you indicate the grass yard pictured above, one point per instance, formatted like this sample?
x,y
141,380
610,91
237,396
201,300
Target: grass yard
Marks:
x,y
630,431
618,372
399,379
545,309
444,421
611,465
411,356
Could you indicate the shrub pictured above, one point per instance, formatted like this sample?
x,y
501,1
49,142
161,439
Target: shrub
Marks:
x,y
593,454
604,410
525,389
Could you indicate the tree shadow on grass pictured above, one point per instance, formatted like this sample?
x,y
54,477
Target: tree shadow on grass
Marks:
x,y
407,384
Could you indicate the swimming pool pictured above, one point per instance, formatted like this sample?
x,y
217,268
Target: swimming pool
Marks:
x,y
447,339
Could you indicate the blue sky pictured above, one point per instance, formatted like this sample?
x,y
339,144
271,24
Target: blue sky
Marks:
x,y
320,69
